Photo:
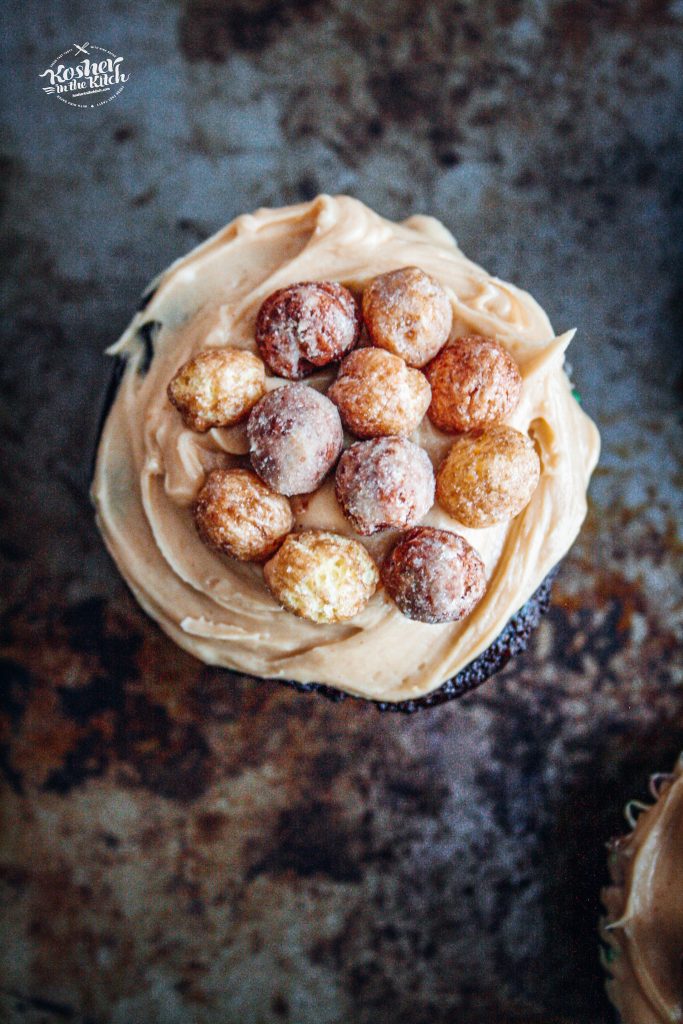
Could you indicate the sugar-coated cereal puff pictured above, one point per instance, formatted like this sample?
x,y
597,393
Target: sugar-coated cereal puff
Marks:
x,y
434,575
217,388
306,326
378,395
475,382
295,437
383,483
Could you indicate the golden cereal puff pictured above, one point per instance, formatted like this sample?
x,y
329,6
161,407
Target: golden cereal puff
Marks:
x,y
475,382
408,313
217,388
306,326
236,514
378,395
322,576
488,476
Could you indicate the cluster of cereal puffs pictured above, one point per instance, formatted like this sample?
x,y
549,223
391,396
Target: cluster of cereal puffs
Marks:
x,y
408,369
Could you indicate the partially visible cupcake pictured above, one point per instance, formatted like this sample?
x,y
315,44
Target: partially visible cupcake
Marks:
x,y
643,927
343,456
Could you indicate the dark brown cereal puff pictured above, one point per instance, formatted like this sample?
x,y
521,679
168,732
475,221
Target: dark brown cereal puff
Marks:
x,y
408,313
384,483
433,575
306,326
295,438
236,514
475,382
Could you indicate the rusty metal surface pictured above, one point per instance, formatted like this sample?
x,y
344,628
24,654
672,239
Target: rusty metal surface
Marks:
x,y
176,847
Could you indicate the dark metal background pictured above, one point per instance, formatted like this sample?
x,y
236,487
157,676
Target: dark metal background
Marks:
x,y
179,849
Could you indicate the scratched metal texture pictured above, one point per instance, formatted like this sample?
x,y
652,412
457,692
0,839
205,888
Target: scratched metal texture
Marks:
x,y
180,847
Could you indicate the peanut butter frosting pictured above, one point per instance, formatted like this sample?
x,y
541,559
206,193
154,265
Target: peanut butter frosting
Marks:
x,y
150,466
644,929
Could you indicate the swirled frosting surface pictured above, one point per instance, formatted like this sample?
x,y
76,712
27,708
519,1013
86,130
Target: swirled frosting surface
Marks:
x,y
150,467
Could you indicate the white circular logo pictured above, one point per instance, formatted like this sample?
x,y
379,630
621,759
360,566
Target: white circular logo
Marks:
x,y
85,75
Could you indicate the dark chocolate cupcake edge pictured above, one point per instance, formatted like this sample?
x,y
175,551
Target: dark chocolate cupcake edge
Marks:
x,y
511,641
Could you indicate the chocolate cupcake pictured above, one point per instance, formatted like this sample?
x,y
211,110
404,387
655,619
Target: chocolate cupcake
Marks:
x,y
411,462
643,926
